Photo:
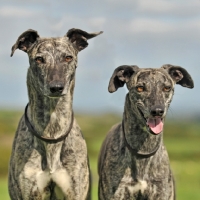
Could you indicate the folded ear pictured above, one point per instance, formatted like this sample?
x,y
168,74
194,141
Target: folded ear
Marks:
x,y
79,38
179,75
120,76
25,40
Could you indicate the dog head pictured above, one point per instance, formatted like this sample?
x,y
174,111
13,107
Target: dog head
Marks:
x,y
150,91
52,61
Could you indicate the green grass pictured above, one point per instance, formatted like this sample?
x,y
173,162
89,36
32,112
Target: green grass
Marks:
x,y
181,139
3,189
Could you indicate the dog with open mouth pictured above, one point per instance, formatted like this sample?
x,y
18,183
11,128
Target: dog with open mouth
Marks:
x,y
133,162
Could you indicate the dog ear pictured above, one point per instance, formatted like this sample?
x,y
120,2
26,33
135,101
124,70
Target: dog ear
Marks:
x,y
120,76
25,40
79,38
179,75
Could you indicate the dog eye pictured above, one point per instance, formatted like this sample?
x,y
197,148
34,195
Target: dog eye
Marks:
x,y
39,60
140,88
166,88
68,58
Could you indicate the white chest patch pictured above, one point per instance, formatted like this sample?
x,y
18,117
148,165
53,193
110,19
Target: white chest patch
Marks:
x,y
127,182
60,177
43,179
62,180
140,186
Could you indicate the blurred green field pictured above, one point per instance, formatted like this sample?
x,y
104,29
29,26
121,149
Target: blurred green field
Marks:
x,y
181,139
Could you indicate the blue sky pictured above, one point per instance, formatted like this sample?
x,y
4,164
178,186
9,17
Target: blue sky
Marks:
x,y
136,32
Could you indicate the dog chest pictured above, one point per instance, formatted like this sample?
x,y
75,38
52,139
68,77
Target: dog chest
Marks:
x,y
128,187
40,181
60,177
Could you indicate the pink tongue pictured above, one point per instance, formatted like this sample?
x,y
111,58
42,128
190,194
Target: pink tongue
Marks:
x,y
156,125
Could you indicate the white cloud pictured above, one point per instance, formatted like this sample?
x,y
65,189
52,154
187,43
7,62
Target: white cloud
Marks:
x,y
15,11
98,22
170,8
150,26
193,25
155,6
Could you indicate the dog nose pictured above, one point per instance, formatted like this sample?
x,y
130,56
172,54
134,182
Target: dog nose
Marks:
x,y
157,111
56,87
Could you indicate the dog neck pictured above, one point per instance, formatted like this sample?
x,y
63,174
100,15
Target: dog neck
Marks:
x,y
135,132
51,117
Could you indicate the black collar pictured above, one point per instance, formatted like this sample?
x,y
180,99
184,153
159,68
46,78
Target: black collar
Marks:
x,y
135,151
47,139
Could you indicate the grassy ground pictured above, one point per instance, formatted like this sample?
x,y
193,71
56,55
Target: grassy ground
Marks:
x,y
181,139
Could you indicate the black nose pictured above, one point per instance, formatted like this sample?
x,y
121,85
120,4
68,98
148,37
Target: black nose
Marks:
x,y
157,110
56,87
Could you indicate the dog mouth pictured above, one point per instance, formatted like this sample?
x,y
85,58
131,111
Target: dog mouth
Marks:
x,y
154,124
54,96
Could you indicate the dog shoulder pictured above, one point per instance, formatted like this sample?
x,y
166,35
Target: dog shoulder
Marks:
x,y
110,139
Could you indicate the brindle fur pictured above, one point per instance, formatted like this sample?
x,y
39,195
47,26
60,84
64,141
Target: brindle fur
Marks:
x,y
126,171
41,170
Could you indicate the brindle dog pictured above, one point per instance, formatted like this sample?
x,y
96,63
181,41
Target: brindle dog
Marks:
x,y
49,155
133,162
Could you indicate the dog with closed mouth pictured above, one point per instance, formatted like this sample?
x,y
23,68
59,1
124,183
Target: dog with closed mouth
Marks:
x,y
49,159
133,162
